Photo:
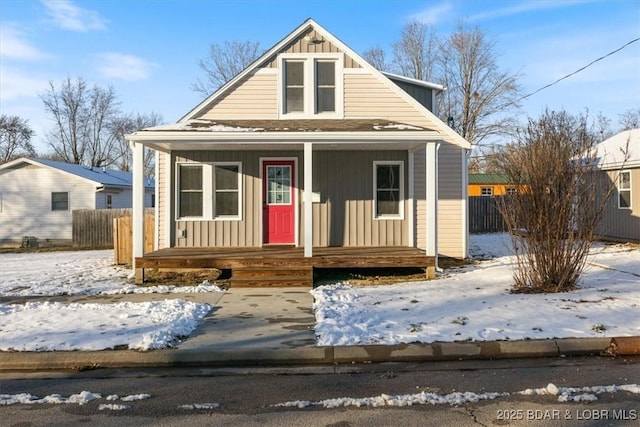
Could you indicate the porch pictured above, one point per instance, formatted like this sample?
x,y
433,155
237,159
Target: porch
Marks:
x,y
282,265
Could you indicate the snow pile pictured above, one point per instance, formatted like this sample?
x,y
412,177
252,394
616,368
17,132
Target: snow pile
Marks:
x,y
474,303
565,394
579,394
200,406
46,326
81,398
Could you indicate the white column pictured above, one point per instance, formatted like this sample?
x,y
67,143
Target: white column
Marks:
x,y
411,196
138,201
432,199
308,200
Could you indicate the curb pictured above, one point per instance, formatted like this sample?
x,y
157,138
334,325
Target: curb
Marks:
x,y
84,360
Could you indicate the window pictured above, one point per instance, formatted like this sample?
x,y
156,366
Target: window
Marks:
x,y
486,191
311,84
294,86
325,86
60,201
191,191
624,190
227,190
512,191
109,201
209,190
389,189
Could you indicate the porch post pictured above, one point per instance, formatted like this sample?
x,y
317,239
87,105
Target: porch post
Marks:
x,y
308,200
410,215
432,199
138,207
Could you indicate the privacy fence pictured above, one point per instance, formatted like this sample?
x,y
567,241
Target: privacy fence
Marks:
x,y
93,228
484,216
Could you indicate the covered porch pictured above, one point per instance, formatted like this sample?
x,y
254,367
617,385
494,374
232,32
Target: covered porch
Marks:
x,y
283,265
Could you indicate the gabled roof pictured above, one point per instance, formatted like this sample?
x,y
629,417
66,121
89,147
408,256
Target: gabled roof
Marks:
x,y
447,133
99,176
611,152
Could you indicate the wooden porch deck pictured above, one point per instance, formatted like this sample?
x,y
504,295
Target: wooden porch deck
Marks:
x,y
282,265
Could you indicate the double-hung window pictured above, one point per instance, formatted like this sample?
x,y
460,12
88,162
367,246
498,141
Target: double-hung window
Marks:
x,y
388,187
311,85
486,191
624,190
209,190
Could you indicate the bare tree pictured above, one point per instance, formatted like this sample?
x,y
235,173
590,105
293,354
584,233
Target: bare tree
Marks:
x,y
561,199
224,62
126,124
82,116
376,57
15,138
414,54
479,95
630,119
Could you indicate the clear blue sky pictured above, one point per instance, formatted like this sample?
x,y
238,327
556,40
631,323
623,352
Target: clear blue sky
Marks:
x,y
148,49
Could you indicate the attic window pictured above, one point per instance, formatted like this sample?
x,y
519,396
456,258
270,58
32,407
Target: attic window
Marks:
x,y
311,85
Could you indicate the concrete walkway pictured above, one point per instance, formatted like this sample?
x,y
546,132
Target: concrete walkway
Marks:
x,y
274,326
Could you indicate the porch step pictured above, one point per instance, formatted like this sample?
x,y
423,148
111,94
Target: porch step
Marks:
x,y
272,276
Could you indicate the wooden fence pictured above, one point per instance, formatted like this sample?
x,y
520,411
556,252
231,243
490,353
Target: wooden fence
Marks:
x,y
123,237
93,228
484,216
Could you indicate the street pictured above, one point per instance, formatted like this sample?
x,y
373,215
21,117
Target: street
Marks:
x,y
249,395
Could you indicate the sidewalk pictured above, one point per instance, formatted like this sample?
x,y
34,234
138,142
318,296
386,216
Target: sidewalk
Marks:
x,y
274,326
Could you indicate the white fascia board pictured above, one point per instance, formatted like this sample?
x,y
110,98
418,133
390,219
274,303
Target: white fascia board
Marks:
x,y
418,82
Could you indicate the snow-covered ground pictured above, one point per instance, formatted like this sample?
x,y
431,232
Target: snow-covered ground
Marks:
x,y
473,303
469,303
74,273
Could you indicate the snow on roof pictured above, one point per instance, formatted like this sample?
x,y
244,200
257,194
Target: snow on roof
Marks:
x,y
106,177
612,151
301,125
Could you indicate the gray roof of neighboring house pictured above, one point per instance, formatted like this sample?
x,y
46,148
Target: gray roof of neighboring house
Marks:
x,y
106,177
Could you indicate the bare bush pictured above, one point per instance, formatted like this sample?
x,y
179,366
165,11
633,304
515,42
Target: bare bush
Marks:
x,y
560,200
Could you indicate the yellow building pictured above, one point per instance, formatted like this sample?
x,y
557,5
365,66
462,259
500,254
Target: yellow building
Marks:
x,y
489,185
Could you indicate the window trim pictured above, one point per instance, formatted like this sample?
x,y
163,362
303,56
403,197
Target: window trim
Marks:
x,y
310,88
619,189
68,201
400,215
486,188
208,192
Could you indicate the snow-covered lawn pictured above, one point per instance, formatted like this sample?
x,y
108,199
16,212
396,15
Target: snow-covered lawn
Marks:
x,y
74,273
473,303
469,303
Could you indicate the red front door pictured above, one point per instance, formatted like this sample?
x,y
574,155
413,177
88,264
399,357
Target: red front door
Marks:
x,y
278,195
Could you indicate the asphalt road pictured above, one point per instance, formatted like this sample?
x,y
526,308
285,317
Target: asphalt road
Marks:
x,y
246,395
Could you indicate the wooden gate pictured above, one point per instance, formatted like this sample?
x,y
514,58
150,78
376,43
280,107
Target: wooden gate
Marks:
x,y
123,237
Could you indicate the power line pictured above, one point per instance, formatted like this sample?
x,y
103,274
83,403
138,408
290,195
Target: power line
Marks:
x,y
575,72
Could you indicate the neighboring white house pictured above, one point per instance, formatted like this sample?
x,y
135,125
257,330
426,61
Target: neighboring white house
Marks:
x,y
619,161
37,197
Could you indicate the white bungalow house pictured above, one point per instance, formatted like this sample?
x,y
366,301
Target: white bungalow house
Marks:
x,y
37,197
619,162
311,148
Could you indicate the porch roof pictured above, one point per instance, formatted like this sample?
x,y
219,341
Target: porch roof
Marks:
x,y
326,134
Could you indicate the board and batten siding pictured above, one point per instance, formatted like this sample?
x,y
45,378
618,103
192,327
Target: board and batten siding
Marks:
x,y
343,217
616,223
301,45
450,200
26,203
